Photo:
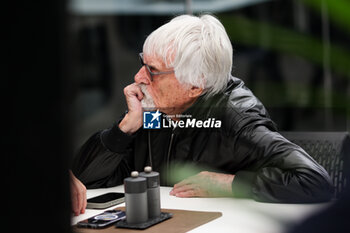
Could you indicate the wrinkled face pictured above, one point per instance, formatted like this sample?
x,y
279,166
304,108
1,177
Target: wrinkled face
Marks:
x,y
167,93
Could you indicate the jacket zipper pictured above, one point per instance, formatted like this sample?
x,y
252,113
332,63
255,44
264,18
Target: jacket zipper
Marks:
x,y
168,158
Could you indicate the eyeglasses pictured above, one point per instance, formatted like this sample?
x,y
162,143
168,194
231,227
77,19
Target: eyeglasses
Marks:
x,y
149,69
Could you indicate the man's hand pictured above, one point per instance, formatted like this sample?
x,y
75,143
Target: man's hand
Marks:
x,y
204,184
133,119
78,195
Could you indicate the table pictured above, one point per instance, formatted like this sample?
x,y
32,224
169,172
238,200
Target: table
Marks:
x,y
239,215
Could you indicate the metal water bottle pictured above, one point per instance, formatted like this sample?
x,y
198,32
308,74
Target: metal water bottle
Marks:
x,y
136,198
153,192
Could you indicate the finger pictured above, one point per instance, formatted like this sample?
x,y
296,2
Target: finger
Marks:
x,y
75,194
188,193
84,202
75,205
134,90
73,199
80,198
139,92
181,189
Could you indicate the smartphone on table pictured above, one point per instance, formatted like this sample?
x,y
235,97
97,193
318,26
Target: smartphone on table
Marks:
x,y
103,220
105,200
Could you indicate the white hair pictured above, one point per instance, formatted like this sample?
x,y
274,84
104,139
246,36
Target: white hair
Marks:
x,y
198,49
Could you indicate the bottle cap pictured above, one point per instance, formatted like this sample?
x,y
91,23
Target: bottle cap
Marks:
x,y
148,169
134,174
135,183
152,177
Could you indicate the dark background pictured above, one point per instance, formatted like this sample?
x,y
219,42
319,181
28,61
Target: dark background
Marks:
x,y
36,112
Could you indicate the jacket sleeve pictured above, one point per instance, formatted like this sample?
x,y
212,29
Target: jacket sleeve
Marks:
x,y
105,159
278,170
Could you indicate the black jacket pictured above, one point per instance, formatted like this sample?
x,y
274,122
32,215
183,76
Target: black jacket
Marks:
x,y
267,167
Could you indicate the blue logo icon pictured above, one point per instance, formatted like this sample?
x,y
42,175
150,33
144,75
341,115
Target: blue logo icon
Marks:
x,y
151,120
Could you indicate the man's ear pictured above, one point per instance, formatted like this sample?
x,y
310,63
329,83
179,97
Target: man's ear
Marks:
x,y
195,92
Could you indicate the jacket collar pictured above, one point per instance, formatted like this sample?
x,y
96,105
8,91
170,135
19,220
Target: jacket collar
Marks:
x,y
209,107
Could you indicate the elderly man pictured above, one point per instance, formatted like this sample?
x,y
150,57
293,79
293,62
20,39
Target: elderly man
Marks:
x,y
211,121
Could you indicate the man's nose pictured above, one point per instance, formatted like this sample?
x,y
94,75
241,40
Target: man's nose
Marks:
x,y
142,76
